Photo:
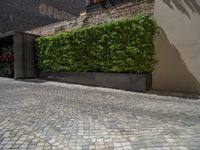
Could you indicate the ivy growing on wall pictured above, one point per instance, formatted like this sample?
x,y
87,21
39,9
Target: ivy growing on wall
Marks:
x,y
124,46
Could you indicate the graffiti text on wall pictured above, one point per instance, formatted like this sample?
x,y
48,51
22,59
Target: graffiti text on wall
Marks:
x,y
48,10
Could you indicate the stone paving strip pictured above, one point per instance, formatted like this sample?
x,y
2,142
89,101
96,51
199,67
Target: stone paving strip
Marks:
x,y
44,115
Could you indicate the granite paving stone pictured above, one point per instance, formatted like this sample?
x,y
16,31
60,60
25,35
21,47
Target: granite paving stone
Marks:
x,y
43,115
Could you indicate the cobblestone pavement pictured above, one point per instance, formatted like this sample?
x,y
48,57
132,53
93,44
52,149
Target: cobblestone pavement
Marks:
x,y
50,115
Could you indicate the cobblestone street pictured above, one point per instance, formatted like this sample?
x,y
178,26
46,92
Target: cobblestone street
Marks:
x,y
41,115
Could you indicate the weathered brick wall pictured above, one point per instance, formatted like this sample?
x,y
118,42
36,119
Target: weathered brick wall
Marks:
x,y
23,15
145,7
127,10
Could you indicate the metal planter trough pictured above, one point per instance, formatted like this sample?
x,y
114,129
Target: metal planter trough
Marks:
x,y
124,81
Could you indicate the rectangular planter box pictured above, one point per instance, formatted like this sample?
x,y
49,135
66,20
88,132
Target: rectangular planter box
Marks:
x,y
131,82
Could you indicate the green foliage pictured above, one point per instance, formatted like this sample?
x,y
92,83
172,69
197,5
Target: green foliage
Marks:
x,y
124,46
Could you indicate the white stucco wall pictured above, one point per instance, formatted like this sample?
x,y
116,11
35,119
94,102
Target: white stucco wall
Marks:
x,y
177,45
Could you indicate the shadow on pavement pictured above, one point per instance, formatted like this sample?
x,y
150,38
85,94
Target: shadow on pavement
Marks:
x,y
191,96
34,80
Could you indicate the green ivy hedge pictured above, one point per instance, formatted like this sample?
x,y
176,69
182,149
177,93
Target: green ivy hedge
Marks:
x,y
124,46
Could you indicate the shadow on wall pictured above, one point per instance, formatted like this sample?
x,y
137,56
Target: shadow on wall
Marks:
x,y
171,71
180,5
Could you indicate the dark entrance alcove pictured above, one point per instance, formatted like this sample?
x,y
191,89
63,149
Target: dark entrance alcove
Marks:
x,y
6,56
17,55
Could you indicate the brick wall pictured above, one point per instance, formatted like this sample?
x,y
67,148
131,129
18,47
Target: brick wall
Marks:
x,y
144,7
23,15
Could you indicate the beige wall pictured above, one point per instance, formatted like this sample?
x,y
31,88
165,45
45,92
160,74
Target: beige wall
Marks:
x,y
177,45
